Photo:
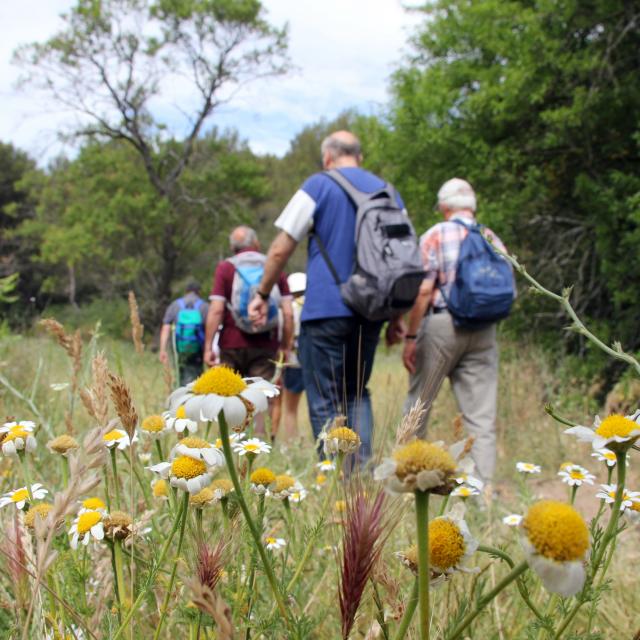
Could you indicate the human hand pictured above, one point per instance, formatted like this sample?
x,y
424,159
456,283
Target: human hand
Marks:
x,y
209,357
163,356
258,311
396,331
409,356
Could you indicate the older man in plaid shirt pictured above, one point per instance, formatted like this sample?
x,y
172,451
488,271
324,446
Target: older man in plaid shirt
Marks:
x,y
435,347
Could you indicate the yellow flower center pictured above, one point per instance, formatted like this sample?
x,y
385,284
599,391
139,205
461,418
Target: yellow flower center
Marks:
x,y
263,476
422,456
464,492
344,433
39,511
566,465
609,455
187,468
222,484
221,381
63,443
616,425
202,498
282,483
159,488
20,495
195,443
153,424
321,478
16,432
410,557
87,520
181,412
93,504
114,434
576,475
446,543
270,540
635,505
340,506
557,531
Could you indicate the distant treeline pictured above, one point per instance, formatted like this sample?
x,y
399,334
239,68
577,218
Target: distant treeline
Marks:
x,y
537,104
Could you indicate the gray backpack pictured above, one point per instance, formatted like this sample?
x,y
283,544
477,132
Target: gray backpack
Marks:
x,y
388,267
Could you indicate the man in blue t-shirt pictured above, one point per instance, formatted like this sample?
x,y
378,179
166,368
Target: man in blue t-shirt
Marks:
x,y
336,346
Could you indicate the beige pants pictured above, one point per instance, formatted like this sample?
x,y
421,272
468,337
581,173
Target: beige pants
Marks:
x,y
470,360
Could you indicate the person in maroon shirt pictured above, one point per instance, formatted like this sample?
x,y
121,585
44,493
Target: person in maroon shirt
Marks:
x,y
251,354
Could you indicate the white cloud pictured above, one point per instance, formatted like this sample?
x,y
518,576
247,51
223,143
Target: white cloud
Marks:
x,y
343,52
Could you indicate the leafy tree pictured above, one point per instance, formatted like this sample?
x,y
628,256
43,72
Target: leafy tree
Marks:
x,y
537,103
115,60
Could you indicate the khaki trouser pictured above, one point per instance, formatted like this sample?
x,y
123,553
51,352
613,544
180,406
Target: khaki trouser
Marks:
x,y
470,360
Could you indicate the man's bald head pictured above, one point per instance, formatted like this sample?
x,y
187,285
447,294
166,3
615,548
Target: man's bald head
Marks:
x,y
243,237
341,149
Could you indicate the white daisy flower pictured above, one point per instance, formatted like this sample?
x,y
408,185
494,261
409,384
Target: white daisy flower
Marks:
x,y
27,425
608,494
233,437
17,437
556,543
325,466
185,472
528,467
421,465
283,487
274,544
464,492
340,440
178,421
222,389
252,446
20,497
321,482
512,520
575,475
299,495
88,524
615,432
93,504
605,455
118,438
154,427
144,457
221,489
633,513
261,478
198,449
470,481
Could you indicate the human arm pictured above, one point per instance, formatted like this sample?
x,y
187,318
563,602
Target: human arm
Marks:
x,y
165,334
214,320
417,313
280,251
287,326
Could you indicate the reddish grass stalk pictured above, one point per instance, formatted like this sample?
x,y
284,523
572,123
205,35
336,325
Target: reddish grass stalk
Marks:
x,y
364,533
209,564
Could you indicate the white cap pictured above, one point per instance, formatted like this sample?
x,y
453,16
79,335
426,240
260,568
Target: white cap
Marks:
x,y
297,282
457,194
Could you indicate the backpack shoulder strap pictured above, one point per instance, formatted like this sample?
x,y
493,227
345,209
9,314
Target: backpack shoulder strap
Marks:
x,y
356,196
181,303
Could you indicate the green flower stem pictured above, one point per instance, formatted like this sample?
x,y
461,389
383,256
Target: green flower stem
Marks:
x,y
380,611
26,474
486,599
199,529
574,490
119,575
65,471
610,534
165,604
492,551
114,469
179,521
228,455
159,450
144,487
443,504
422,527
408,613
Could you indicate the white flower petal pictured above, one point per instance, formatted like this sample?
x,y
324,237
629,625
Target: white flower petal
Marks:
x,y
584,434
257,398
234,411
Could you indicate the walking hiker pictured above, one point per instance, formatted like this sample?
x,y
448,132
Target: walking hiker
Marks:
x,y
452,326
249,350
188,315
345,304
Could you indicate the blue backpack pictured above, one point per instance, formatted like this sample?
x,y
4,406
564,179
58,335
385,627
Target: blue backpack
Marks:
x,y
189,328
483,290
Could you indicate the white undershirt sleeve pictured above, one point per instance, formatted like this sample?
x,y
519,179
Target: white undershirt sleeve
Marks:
x,y
297,217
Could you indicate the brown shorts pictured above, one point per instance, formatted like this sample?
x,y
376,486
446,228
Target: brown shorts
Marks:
x,y
250,362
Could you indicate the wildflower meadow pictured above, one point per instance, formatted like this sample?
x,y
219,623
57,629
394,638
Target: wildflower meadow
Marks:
x,y
132,509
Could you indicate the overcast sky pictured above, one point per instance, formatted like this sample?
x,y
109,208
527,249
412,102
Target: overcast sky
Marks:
x,y
343,51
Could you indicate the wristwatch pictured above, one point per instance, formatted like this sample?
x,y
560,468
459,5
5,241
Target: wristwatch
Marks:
x,y
264,296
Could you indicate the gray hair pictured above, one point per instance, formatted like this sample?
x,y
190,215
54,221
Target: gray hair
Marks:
x,y
243,237
337,148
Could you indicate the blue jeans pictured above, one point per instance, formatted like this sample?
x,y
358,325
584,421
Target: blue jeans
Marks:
x,y
337,355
